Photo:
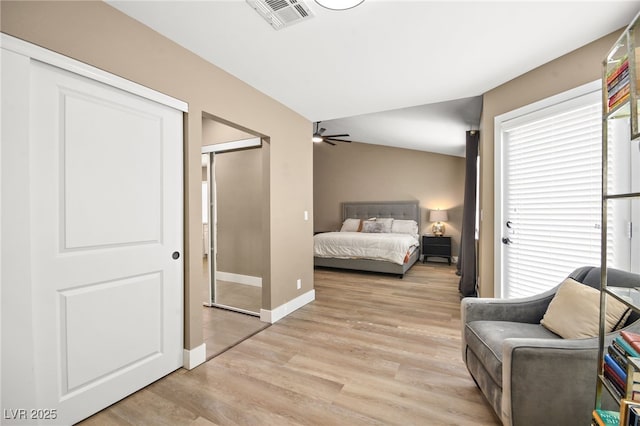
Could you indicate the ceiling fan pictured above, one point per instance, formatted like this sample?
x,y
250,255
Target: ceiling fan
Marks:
x,y
319,137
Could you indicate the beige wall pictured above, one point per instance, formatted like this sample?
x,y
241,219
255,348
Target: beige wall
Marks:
x,y
363,172
567,72
95,33
239,204
214,132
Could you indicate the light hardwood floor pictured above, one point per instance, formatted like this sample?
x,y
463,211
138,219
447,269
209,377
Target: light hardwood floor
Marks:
x,y
246,297
370,350
221,329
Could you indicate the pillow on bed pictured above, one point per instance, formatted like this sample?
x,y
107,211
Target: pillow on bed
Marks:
x,y
372,226
404,227
387,223
351,225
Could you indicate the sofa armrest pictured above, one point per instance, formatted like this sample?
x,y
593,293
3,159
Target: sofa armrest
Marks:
x,y
548,379
525,309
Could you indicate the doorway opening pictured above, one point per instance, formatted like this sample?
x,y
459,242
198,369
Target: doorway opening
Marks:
x,y
234,236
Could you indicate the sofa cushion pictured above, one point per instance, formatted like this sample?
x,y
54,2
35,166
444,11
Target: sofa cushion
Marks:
x,y
574,311
492,391
486,338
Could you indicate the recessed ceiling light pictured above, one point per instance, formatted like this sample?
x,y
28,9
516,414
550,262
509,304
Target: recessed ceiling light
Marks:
x,y
339,4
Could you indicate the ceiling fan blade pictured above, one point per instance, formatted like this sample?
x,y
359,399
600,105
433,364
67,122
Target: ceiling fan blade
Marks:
x,y
330,143
336,136
321,131
337,140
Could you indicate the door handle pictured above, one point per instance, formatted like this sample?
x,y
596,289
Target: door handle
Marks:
x,y
509,223
175,255
506,241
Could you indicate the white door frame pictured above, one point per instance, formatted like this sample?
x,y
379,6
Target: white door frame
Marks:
x,y
501,122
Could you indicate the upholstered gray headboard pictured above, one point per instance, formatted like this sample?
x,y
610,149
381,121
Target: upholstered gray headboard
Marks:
x,y
408,210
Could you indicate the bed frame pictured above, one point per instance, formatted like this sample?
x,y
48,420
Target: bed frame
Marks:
x,y
408,210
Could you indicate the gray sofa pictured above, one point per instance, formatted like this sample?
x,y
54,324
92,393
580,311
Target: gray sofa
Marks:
x,y
529,375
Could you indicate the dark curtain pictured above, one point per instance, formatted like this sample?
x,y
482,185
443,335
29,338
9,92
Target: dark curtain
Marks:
x,y
467,259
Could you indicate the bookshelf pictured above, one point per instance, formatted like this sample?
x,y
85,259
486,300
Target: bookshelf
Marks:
x,y
620,205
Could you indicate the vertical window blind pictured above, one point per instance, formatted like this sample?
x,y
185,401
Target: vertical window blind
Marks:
x,y
551,197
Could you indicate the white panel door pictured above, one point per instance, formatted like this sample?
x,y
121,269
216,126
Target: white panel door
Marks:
x,y
105,234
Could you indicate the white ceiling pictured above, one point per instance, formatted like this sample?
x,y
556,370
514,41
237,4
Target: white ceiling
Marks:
x,y
391,72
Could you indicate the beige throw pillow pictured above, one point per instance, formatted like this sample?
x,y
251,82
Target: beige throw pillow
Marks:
x,y
351,225
574,311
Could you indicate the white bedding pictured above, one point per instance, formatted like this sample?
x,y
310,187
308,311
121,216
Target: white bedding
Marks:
x,y
361,245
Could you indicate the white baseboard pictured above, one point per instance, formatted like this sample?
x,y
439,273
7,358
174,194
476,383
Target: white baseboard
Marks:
x,y
240,279
194,357
271,316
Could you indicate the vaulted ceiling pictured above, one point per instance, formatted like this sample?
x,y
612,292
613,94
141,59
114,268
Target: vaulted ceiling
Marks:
x,y
400,73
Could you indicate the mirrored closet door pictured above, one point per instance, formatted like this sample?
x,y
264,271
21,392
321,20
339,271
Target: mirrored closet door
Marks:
x,y
232,225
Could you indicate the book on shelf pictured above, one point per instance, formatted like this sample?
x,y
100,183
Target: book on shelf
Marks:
x,y
623,76
624,64
606,417
620,86
619,102
635,387
617,84
634,391
620,94
632,338
626,347
633,417
619,357
614,382
625,411
615,367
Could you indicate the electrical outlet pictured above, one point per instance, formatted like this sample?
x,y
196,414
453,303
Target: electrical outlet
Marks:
x,y
299,284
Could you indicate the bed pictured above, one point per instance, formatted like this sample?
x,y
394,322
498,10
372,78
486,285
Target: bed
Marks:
x,y
402,211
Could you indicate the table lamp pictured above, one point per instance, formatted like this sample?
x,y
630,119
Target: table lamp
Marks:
x,y
438,216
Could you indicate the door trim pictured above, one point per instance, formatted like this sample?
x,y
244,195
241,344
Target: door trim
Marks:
x,y
232,146
194,357
69,64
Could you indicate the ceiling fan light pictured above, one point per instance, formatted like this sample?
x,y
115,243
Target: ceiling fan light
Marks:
x,y
339,4
316,138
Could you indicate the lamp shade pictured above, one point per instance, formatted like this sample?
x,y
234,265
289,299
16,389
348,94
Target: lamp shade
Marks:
x,y
438,216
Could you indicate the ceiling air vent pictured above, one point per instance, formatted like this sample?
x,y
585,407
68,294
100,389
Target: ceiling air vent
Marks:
x,y
281,13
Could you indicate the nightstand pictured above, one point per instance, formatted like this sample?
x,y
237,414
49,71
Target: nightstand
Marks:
x,y
436,247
